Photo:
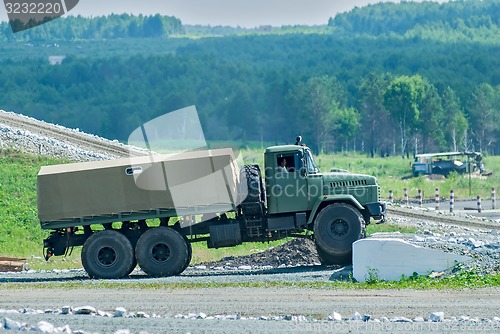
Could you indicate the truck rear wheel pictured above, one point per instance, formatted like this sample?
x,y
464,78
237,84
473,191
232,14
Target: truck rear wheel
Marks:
x,y
108,254
162,251
336,227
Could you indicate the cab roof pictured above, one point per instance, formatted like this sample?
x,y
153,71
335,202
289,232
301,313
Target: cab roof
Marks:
x,y
284,148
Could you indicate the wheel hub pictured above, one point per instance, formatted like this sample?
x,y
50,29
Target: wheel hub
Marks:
x,y
160,252
339,227
106,256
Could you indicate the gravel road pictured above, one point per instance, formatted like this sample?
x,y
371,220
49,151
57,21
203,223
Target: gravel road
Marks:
x,y
231,309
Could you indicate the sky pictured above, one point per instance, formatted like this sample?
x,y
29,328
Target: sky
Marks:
x,y
244,13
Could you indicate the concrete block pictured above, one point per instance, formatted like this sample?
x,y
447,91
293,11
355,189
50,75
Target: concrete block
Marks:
x,y
387,259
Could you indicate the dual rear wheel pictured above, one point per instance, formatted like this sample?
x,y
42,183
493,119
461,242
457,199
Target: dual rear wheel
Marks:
x,y
160,251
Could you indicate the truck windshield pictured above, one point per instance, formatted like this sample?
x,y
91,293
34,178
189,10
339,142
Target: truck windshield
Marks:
x,y
312,168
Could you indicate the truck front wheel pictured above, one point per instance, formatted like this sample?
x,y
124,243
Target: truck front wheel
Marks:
x,y
108,254
336,227
162,251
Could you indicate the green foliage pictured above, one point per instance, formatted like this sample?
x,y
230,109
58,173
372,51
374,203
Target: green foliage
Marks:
x,y
113,26
121,71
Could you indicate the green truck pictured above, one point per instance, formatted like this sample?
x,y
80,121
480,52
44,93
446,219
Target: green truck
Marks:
x,y
148,210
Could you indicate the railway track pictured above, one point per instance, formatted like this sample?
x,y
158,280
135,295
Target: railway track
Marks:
x,y
441,218
73,137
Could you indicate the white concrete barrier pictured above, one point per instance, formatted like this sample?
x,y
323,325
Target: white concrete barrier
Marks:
x,y
387,259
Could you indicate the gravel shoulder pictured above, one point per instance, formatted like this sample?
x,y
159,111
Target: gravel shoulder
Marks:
x,y
232,310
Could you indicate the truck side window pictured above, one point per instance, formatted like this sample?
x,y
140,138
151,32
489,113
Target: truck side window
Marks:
x,y
285,164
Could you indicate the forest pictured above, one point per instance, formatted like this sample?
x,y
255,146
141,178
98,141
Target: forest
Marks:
x,y
385,79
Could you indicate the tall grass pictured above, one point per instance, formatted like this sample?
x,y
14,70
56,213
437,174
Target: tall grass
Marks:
x,y
20,232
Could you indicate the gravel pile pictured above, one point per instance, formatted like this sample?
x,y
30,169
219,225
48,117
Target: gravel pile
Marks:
x,y
33,143
296,252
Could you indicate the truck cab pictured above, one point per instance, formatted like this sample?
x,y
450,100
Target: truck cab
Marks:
x,y
337,206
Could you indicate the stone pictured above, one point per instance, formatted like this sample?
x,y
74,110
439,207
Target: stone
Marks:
x,y
66,310
84,310
418,319
388,259
245,268
45,327
120,312
401,319
141,314
366,317
436,316
201,315
336,316
11,324
122,331
64,329
357,316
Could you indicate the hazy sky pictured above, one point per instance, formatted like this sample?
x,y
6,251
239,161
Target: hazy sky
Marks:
x,y
245,13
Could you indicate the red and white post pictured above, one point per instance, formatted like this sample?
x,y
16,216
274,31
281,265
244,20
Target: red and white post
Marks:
x,y
452,200
436,198
407,201
420,199
478,204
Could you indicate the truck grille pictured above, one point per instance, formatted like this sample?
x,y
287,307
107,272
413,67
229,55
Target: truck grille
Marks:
x,y
340,184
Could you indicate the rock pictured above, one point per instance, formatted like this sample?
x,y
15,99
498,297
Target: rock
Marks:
x,y
436,316
66,310
245,268
366,317
401,319
45,327
336,316
11,324
64,329
120,312
84,310
357,316
418,319
141,314
416,238
201,315
122,331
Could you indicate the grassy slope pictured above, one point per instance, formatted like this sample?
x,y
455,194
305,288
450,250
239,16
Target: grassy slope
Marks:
x,y
20,233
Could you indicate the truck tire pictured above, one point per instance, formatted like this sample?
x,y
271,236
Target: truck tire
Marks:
x,y
108,254
336,227
162,251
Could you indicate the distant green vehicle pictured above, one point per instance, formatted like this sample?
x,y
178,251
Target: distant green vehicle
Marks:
x,y
447,162
148,210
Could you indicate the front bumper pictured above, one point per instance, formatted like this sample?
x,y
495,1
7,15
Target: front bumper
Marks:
x,y
377,211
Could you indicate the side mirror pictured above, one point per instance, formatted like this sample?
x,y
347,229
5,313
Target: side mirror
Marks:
x,y
303,172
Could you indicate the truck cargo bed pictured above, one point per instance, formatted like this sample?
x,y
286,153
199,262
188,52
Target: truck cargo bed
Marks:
x,y
137,188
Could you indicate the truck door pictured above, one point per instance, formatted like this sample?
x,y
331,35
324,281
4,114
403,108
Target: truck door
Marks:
x,y
287,190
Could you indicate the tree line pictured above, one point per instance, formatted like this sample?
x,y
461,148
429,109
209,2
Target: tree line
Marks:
x,y
113,26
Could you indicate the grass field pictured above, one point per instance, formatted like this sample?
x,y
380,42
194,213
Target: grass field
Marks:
x,y
21,236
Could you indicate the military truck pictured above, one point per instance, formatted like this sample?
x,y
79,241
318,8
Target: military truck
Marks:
x,y
147,211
